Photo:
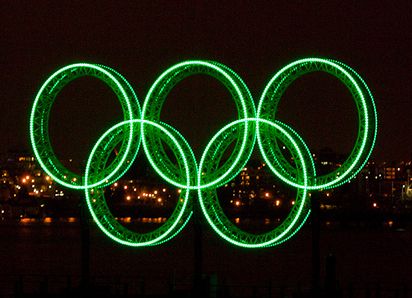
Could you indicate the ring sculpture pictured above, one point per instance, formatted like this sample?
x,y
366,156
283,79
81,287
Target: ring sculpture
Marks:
x,y
142,127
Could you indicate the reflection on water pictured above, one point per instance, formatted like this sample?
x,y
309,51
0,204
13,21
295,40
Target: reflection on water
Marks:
x,y
364,256
46,220
147,220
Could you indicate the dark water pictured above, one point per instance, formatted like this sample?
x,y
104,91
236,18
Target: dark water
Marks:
x,y
364,257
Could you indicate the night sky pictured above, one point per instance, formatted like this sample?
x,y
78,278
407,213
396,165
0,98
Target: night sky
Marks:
x,y
141,39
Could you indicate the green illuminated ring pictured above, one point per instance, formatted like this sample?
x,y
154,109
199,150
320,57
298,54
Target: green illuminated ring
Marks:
x,y
39,121
97,203
209,201
183,170
366,112
152,108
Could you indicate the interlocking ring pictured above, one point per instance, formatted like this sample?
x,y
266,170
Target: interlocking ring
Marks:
x,y
203,177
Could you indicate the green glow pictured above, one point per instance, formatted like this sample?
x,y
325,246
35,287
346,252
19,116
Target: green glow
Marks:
x,y
100,211
224,227
39,135
205,176
366,111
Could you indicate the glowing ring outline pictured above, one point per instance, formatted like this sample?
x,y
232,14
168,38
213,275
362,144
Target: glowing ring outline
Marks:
x,y
78,183
301,205
90,203
227,74
350,172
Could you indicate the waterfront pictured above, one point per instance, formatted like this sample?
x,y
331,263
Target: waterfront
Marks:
x,y
365,257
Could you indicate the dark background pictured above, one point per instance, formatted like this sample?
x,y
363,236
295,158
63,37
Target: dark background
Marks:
x,y
140,39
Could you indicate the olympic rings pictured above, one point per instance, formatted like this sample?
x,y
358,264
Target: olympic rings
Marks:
x,y
143,126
